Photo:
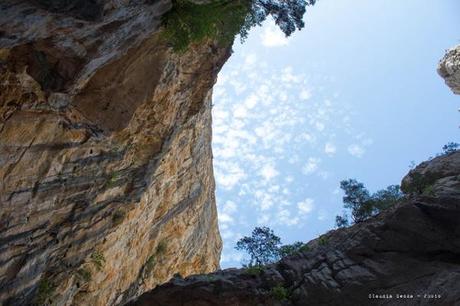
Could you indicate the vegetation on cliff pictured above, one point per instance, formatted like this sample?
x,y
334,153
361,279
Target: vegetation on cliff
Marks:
x,y
264,247
222,20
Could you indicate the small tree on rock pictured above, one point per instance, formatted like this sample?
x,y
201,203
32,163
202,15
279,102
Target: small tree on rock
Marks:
x,y
262,246
362,205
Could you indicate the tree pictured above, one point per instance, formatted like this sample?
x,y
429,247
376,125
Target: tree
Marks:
x,y
362,205
356,199
386,198
222,20
262,246
450,147
342,221
290,249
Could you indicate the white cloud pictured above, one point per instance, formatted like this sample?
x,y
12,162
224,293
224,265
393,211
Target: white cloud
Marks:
x,y
305,94
272,36
306,206
225,218
330,148
284,217
311,166
250,59
356,150
228,174
229,207
268,172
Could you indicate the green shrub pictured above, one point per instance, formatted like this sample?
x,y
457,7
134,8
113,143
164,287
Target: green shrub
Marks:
x,y
304,248
44,293
188,22
279,293
323,240
419,182
98,259
254,270
162,247
290,249
222,20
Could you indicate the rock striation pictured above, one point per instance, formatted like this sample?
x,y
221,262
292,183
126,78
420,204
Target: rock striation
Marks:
x,y
106,178
412,250
449,69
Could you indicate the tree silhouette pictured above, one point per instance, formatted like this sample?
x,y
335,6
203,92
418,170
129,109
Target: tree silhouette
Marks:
x,y
262,246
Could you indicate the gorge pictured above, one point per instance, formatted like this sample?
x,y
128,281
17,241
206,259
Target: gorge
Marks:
x,y
107,184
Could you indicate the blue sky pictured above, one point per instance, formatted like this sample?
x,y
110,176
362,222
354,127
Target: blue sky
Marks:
x,y
353,95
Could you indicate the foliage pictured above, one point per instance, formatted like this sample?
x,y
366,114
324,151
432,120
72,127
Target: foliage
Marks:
x,y
280,293
323,240
342,221
386,198
98,259
44,292
450,147
162,247
290,249
262,246
254,270
419,182
362,205
222,20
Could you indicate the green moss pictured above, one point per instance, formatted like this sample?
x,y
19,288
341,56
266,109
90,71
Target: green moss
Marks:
x,y
44,293
98,259
254,270
280,293
118,217
84,274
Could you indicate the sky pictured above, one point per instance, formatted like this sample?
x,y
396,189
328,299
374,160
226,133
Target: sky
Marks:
x,y
355,94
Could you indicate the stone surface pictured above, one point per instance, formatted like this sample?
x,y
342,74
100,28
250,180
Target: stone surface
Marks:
x,y
107,185
449,69
413,248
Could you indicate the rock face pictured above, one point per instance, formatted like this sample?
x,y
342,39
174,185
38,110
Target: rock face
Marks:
x,y
449,69
412,248
106,179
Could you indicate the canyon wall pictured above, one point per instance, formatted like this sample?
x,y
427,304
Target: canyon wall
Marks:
x,y
106,178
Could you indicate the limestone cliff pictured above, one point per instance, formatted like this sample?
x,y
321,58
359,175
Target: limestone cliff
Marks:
x,y
106,179
449,69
